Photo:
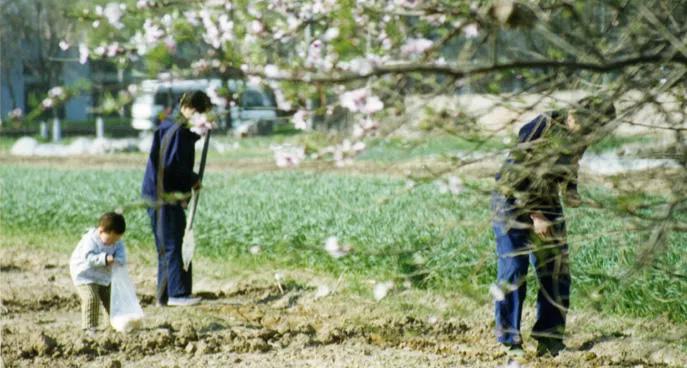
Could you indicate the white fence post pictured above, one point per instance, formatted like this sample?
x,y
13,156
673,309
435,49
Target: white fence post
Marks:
x,y
44,130
56,130
99,127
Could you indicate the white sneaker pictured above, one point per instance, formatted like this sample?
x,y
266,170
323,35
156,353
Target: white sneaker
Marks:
x,y
183,301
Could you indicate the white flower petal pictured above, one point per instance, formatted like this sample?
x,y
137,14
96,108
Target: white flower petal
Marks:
x,y
415,46
381,289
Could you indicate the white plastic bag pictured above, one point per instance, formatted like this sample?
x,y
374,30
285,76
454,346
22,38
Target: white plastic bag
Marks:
x,y
125,312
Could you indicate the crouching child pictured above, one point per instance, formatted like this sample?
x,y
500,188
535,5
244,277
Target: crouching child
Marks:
x,y
91,264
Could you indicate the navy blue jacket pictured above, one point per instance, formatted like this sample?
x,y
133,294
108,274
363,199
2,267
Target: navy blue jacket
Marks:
x,y
530,176
178,161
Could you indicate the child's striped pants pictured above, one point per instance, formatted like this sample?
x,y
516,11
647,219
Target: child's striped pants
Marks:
x,y
91,296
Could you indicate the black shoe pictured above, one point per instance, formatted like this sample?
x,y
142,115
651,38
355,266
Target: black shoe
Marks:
x,y
549,346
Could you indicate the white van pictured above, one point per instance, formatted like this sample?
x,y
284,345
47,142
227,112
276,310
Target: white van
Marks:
x,y
156,98
254,113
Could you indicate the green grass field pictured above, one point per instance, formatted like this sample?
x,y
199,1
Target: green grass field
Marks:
x,y
437,241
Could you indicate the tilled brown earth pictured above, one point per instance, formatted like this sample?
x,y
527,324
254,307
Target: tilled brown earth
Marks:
x,y
256,322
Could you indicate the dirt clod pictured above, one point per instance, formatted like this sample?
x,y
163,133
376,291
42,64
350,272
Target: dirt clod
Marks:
x,y
258,325
190,348
186,335
85,346
42,344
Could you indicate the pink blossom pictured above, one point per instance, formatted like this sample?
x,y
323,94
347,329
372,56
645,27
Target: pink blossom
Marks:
x,y
151,32
192,17
387,44
167,21
436,19
216,3
256,27
200,65
360,100
288,155
358,147
170,44
346,146
314,53
113,13
415,46
323,6
212,34
112,49
100,50
215,98
358,131
292,22
226,26
343,153
408,3
471,30
47,103
342,161
282,102
255,80
370,124
300,120
272,71
56,92
15,114
142,4
358,65
331,34
200,124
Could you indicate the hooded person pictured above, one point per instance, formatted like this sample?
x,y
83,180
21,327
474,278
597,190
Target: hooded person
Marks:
x,y
167,184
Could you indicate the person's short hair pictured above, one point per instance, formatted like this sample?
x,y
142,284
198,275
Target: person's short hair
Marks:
x,y
197,100
112,222
595,112
598,106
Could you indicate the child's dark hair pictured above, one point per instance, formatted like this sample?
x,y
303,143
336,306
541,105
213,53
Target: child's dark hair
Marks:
x,y
197,100
112,222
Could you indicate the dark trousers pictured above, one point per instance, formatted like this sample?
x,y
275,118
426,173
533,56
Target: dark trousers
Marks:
x,y
516,249
169,223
